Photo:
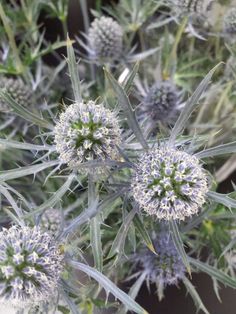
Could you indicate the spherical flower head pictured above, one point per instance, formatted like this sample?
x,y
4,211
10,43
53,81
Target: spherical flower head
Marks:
x,y
30,266
160,103
17,90
169,184
166,266
194,6
51,221
105,39
230,22
87,132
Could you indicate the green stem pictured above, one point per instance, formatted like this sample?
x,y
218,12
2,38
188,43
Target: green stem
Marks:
x,y
8,29
84,8
173,54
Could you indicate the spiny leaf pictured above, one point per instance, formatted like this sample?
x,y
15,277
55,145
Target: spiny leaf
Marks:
x,y
222,199
130,78
109,286
142,55
126,106
119,242
24,146
73,71
190,105
23,112
26,171
195,296
218,150
179,244
143,232
55,198
213,272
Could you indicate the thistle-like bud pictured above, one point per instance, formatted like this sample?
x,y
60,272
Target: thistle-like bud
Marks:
x,y
160,103
194,6
169,184
17,90
87,132
51,221
30,266
165,267
230,22
105,39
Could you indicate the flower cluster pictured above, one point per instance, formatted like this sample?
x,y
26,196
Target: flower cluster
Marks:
x,y
230,21
87,132
17,90
105,39
166,266
30,266
160,103
194,6
51,221
169,184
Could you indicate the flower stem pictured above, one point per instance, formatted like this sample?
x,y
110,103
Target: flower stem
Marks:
x,y
6,24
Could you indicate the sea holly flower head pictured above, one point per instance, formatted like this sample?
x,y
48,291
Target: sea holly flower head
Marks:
x,y
51,221
16,88
105,39
169,183
30,266
166,266
87,132
160,102
194,6
230,22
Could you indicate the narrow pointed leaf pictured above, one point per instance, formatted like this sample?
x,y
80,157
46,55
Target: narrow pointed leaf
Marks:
x,y
25,171
195,296
142,55
228,247
55,198
134,290
190,105
119,242
24,113
213,272
11,200
73,71
131,77
218,150
24,146
109,286
223,199
126,107
179,244
143,233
